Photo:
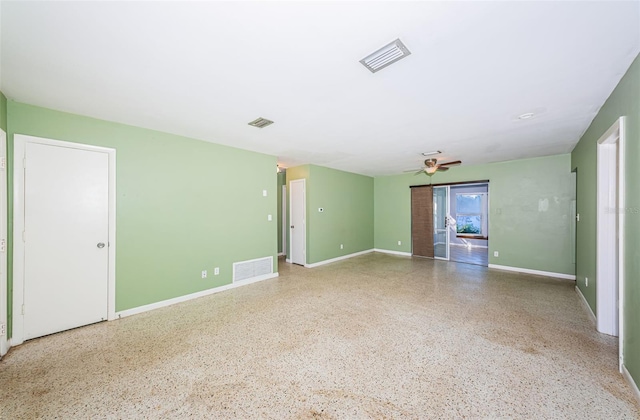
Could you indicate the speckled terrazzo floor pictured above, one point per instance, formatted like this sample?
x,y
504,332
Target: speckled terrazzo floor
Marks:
x,y
376,336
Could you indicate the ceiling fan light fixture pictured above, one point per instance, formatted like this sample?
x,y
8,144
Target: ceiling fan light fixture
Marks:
x,y
431,170
385,56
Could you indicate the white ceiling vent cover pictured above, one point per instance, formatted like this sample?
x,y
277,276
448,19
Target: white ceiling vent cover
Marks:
x,y
385,56
261,122
250,269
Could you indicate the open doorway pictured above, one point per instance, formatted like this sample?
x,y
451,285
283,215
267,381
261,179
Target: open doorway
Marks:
x,y
610,233
451,221
469,223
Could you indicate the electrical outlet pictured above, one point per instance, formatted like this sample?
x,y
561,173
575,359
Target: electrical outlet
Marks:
x,y
204,274
496,254
216,271
586,282
3,330
399,242
341,246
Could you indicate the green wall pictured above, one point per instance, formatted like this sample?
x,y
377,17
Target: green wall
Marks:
x,y
347,216
281,182
183,205
529,210
624,101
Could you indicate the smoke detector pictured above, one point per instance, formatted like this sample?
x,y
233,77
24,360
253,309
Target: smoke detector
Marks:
x,y
261,122
385,56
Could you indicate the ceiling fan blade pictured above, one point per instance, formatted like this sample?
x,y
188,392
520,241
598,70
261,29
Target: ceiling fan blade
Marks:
x,y
421,171
442,169
455,162
413,170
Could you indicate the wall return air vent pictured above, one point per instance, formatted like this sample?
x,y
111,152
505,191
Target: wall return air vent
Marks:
x,y
385,56
252,269
261,122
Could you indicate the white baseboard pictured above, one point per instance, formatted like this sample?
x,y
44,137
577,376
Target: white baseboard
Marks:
x,y
180,299
586,305
536,272
287,260
344,257
280,254
388,251
634,387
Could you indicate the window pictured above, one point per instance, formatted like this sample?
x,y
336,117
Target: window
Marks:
x,y
471,214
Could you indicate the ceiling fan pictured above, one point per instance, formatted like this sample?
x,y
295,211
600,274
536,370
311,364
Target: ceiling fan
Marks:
x,y
432,165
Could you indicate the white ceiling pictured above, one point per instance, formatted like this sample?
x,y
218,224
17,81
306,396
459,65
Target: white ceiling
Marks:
x,y
205,69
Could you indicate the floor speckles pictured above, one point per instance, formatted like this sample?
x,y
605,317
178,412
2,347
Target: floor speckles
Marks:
x,y
375,336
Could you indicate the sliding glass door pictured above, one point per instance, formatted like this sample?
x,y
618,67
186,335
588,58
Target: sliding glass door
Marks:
x,y
440,222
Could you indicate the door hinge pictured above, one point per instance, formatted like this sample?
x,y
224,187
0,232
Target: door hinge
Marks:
x,y
3,163
23,309
3,245
24,163
24,236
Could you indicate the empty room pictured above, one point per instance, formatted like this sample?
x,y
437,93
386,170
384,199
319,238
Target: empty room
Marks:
x,y
319,209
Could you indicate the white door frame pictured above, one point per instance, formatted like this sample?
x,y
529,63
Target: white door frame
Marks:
x,y
4,341
610,233
20,141
284,220
304,220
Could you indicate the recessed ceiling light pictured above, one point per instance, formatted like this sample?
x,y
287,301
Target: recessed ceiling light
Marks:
x,y
435,152
260,122
526,116
385,56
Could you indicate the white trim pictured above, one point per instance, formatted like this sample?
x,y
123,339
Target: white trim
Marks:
x,y
634,387
20,141
610,153
4,341
586,305
536,272
185,298
388,251
344,257
287,260
280,254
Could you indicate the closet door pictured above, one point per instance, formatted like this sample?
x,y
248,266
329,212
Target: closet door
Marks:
x,y
422,221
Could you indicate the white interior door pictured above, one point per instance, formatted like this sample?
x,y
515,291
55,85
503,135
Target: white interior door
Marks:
x,y
440,222
66,235
297,216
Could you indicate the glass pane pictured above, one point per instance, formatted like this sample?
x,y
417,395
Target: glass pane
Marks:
x,y
440,207
469,224
469,203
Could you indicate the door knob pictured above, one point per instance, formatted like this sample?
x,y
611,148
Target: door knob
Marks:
x,y
100,245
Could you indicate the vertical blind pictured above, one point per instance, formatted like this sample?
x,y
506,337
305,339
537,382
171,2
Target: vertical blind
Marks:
x,y
422,221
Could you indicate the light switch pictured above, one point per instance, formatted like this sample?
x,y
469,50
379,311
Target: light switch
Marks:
x,y
269,218
264,193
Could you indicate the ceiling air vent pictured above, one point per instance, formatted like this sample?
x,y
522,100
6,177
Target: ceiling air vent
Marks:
x,y
385,56
261,122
